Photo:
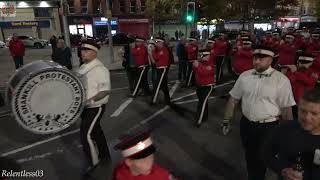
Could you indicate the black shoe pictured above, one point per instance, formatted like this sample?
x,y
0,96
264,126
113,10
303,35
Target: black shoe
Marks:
x,y
87,173
197,125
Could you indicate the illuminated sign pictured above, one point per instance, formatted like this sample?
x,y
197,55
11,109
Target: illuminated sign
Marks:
x,y
105,23
15,24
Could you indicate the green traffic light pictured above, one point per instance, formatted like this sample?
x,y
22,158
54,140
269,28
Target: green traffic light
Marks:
x,y
189,18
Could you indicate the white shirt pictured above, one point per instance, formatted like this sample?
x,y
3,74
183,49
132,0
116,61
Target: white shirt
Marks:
x,y
95,78
262,98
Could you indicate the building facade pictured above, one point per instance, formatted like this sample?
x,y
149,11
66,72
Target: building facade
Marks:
x,y
31,20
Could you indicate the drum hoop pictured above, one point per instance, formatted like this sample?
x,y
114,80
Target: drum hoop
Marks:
x,y
8,87
77,115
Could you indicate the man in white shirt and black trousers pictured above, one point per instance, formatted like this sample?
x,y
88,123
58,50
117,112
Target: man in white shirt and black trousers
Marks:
x,y
96,80
266,97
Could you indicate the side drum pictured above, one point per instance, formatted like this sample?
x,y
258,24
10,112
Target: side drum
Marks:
x,y
45,97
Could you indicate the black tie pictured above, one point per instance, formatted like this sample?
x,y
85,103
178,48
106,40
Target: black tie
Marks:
x,y
261,74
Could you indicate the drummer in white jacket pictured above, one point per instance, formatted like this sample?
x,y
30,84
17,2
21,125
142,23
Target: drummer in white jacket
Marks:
x,y
96,80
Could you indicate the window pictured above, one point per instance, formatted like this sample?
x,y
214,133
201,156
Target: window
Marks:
x,y
143,6
132,6
42,12
122,6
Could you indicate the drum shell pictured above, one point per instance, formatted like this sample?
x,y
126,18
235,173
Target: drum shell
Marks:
x,y
29,71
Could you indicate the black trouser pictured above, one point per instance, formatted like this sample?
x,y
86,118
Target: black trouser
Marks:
x,y
295,112
131,73
154,76
182,74
162,83
18,61
203,93
219,68
142,80
253,136
91,134
190,75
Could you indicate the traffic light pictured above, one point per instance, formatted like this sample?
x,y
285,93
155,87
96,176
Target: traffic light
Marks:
x,y
190,12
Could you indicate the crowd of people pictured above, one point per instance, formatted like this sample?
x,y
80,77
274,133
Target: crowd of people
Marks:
x,y
276,77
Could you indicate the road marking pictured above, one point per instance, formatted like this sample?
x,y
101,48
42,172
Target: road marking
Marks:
x,y
154,115
174,88
194,93
39,143
177,99
125,104
122,88
163,110
121,108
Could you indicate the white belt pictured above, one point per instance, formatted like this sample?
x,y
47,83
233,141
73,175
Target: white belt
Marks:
x,y
142,66
161,67
208,85
267,120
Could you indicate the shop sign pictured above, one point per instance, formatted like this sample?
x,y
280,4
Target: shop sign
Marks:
x,y
19,24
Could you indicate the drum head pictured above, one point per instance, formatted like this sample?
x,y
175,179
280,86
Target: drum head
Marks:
x,y
48,101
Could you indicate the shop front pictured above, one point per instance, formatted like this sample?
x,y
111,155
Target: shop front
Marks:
x,y
26,28
80,25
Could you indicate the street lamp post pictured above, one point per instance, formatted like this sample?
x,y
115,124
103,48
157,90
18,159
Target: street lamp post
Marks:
x,y
108,15
65,24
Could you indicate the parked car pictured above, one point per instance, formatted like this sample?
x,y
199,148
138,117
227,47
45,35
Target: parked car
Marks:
x,y
31,41
2,44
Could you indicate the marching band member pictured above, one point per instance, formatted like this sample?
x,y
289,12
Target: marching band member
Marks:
x,y
192,55
204,76
243,58
140,53
138,164
162,59
287,51
96,79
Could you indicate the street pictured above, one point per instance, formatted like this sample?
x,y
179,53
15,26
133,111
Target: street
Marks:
x,y
188,152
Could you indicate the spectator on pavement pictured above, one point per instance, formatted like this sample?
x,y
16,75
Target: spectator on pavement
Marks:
x,y
266,96
17,50
293,150
53,42
182,58
62,54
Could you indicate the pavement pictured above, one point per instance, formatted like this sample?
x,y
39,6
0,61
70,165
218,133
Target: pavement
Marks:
x,y
188,152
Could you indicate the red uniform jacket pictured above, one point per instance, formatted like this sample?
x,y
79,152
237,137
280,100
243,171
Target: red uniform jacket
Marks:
x,y
204,76
161,57
220,47
122,172
267,41
16,48
301,81
213,57
275,44
192,52
316,66
243,61
299,41
140,54
287,54
312,47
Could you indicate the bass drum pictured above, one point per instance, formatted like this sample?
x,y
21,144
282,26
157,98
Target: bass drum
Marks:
x,y
45,97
